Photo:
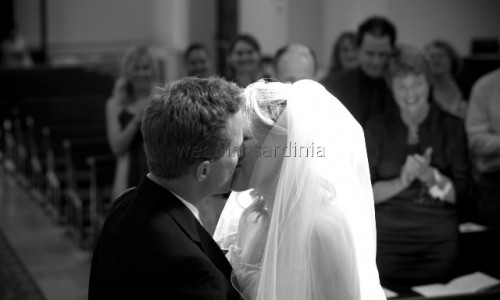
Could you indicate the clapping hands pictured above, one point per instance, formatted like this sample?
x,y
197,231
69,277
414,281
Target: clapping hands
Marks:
x,y
418,167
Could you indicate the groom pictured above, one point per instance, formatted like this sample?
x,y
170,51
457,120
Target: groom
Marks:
x,y
152,245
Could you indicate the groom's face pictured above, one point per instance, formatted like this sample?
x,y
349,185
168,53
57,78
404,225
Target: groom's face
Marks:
x,y
253,138
222,170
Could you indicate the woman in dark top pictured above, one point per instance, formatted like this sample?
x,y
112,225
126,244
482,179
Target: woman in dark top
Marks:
x,y
419,166
124,113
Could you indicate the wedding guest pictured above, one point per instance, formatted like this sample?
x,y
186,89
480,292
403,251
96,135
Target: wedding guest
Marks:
x,y
483,128
15,52
445,65
294,62
152,245
363,90
267,67
344,53
419,169
198,61
244,60
139,75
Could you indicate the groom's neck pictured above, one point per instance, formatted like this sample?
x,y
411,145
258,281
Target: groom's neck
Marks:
x,y
182,187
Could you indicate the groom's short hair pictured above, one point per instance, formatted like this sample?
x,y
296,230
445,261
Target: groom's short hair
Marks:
x,y
185,123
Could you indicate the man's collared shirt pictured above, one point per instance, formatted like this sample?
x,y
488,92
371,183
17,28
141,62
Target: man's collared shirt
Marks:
x,y
190,206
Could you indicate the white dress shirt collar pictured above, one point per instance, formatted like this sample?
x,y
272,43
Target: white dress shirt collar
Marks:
x,y
190,206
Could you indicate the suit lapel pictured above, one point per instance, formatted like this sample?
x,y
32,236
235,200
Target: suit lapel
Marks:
x,y
213,251
167,201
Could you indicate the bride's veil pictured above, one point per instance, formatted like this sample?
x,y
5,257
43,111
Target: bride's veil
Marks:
x,y
321,242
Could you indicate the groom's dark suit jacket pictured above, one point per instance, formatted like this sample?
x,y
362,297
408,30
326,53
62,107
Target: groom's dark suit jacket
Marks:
x,y
152,247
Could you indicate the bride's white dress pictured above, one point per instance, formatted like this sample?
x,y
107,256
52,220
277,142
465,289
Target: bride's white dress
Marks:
x,y
246,254
318,239
331,250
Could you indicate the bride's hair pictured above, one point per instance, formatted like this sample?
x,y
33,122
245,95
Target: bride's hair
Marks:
x,y
265,102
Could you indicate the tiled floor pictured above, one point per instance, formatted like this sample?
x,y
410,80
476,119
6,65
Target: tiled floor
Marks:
x,y
59,267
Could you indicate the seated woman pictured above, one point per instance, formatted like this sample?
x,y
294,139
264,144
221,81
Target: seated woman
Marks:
x,y
419,165
124,110
445,63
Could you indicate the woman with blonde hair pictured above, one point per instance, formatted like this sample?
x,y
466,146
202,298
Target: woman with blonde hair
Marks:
x,y
124,110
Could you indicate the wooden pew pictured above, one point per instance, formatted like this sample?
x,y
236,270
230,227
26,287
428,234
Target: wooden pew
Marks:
x,y
81,207
102,170
66,120
64,109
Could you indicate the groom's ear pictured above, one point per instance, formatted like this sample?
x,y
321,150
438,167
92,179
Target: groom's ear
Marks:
x,y
202,170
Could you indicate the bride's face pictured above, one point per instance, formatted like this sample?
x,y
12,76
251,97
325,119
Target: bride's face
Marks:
x,y
256,160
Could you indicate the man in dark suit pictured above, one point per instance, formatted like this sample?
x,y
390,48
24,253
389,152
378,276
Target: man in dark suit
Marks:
x,y
152,245
363,90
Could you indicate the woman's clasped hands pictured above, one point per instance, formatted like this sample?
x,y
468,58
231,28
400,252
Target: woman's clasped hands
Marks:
x,y
418,166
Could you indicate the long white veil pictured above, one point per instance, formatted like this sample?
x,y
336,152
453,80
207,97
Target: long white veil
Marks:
x,y
321,242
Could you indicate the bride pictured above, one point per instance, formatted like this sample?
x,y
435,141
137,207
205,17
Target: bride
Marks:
x,y
303,225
